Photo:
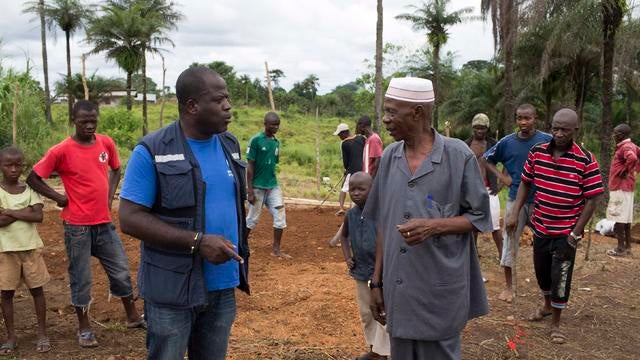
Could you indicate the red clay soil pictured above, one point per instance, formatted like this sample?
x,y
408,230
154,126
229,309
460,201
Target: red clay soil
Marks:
x,y
304,307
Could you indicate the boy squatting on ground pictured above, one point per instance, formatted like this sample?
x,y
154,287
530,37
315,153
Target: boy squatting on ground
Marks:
x,y
20,248
360,255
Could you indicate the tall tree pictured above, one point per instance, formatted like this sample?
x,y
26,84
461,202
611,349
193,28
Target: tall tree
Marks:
x,y
378,79
69,16
37,8
433,17
612,13
155,19
158,17
116,33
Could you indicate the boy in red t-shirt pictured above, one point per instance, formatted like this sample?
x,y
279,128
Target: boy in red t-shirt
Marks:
x,y
83,162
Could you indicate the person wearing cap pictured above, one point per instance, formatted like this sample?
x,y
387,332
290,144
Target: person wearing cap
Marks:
x,y
352,151
352,148
479,142
427,199
512,151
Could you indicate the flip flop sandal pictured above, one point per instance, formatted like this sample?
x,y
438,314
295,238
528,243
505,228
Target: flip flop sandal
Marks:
x,y
43,345
539,315
87,339
557,337
140,324
8,348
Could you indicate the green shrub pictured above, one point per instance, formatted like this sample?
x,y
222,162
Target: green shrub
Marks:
x,y
122,125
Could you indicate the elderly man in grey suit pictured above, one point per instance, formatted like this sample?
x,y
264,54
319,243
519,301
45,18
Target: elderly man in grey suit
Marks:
x,y
427,198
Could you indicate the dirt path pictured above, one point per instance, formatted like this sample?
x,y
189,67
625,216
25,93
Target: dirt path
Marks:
x,y
305,308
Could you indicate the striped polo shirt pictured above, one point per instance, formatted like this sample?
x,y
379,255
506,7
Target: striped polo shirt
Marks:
x,y
562,186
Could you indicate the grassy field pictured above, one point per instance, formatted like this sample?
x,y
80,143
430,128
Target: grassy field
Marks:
x,y
297,135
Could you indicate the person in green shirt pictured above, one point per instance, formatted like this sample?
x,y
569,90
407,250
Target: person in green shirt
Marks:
x,y
262,184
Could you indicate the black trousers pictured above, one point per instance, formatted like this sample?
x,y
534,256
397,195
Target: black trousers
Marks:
x,y
553,259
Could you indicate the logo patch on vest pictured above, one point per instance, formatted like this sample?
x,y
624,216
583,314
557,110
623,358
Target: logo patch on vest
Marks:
x,y
169,157
103,157
236,156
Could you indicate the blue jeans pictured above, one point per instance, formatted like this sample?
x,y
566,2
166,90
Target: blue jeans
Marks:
x,y
103,242
203,331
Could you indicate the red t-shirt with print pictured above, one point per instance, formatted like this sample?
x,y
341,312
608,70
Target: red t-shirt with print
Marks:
x,y
84,170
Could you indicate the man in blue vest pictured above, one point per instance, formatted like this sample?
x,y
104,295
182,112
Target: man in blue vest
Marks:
x,y
182,196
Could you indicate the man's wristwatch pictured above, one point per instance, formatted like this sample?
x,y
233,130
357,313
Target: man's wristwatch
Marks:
x,y
374,285
577,237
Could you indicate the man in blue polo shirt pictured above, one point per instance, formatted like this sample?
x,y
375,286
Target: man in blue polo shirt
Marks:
x,y
182,194
512,151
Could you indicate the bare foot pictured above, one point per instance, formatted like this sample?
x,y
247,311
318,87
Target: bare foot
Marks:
x,y
506,295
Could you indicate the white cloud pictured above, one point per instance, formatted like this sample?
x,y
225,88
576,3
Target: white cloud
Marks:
x,y
329,38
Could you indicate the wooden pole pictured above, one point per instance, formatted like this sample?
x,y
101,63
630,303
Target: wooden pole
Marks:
x,y
14,117
318,152
447,128
84,77
273,105
164,74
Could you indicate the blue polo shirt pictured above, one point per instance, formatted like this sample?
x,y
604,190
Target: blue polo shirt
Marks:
x,y
140,186
512,152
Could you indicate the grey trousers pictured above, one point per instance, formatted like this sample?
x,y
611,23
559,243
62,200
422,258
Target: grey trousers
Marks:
x,y
407,349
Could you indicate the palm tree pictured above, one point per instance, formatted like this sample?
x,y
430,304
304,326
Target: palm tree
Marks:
x,y
158,17
37,8
70,16
433,17
155,18
378,78
117,33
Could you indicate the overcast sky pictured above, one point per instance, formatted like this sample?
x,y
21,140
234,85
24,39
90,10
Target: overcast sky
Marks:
x,y
329,38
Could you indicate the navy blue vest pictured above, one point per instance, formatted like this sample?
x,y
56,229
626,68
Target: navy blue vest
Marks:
x,y
173,278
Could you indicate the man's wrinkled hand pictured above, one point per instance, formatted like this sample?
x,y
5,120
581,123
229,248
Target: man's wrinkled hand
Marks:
x,y
251,198
218,250
377,306
416,231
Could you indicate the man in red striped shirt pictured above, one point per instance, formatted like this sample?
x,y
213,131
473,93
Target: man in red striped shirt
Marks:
x,y
568,183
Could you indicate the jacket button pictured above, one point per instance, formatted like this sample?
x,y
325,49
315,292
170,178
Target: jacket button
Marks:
x,y
407,215
412,184
399,281
403,249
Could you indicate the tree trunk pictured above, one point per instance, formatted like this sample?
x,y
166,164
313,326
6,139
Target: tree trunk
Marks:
x,y
85,87
378,79
548,99
69,93
436,88
45,63
129,86
611,18
145,124
509,13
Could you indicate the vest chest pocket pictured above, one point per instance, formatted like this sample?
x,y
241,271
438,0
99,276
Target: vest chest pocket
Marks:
x,y
176,184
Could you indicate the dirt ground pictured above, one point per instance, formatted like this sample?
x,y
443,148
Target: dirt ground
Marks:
x,y
304,308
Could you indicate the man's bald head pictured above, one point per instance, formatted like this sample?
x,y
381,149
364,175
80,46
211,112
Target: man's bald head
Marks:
x,y
192,84
567,116
564,128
